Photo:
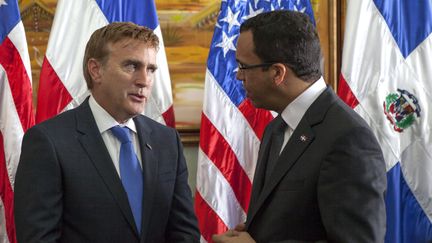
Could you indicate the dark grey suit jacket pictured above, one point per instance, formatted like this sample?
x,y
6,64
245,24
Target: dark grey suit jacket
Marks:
x,y
328,184
67,188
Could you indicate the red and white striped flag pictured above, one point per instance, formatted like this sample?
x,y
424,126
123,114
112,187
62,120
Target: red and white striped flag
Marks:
x,y
231,128
62,85
16,112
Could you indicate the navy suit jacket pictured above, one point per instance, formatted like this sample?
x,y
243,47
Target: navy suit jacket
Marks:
x,y
68,190
328,184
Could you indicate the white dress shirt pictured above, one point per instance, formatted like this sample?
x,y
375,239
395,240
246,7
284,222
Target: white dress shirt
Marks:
x,y
294,112
105,122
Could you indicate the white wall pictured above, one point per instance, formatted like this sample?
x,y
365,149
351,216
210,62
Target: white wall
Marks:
x,y
191,155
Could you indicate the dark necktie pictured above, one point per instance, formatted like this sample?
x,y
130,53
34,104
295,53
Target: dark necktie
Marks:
x,y
130,172
277,138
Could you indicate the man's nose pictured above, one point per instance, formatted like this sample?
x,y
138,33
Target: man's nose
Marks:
x,y
144,78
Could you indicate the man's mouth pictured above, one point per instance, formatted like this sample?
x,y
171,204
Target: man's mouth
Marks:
x,y
138,97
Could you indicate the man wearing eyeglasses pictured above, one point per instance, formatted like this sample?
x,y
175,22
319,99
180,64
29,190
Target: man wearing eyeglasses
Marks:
x,y
320,174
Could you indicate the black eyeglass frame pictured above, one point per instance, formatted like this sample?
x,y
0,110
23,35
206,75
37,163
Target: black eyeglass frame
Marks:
x,y
242,66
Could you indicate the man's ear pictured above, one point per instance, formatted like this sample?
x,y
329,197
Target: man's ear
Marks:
x,y
279,73
95,69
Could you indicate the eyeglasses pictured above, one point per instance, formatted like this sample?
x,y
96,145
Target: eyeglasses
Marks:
x,y
242,66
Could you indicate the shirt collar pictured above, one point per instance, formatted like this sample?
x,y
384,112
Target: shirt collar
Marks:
x,y
293,113
104,120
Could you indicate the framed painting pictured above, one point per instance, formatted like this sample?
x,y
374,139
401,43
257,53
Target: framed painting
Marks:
x,y
187,28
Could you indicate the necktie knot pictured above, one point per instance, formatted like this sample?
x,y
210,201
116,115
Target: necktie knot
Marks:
x,y
280,125
121,133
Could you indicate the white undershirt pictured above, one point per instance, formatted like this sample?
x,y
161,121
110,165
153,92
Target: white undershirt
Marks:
x,y
294,112
104,122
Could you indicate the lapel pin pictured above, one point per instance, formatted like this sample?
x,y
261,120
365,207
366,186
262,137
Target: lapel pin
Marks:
x,y
303,138
148,146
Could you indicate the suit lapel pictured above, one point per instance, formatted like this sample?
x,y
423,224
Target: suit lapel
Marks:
x,y
292,151
150,171
93,144
298,143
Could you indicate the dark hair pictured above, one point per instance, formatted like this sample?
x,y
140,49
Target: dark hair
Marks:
x,y
287,37
97,46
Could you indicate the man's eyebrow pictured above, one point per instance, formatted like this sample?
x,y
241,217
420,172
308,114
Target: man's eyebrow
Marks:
x,y
132,61
154,66
139,63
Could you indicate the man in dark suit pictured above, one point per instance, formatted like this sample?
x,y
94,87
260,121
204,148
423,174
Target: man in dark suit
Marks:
x,y
78,180
320,174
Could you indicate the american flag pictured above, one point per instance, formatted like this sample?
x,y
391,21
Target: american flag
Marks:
x,y
16,112
62,85
387,78
231,128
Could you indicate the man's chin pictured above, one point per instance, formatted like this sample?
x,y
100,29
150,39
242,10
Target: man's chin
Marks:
x,y
135,106
135,111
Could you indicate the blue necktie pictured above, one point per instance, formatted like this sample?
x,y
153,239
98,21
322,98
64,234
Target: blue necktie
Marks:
x,y
130,172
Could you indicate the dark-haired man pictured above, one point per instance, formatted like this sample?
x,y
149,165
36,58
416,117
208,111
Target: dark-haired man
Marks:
x,y
320,174
103,172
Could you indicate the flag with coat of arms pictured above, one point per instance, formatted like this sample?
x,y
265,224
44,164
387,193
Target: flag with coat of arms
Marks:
x,y
387,78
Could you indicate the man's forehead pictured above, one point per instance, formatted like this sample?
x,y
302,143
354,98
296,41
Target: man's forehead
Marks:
x,y
245,46
130,43
246,37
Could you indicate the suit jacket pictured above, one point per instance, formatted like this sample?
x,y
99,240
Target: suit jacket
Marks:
x,y
68,190
328,183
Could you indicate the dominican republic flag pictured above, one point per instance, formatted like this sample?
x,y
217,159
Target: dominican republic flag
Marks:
x,y
231,128
387,78
16,112
62,85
